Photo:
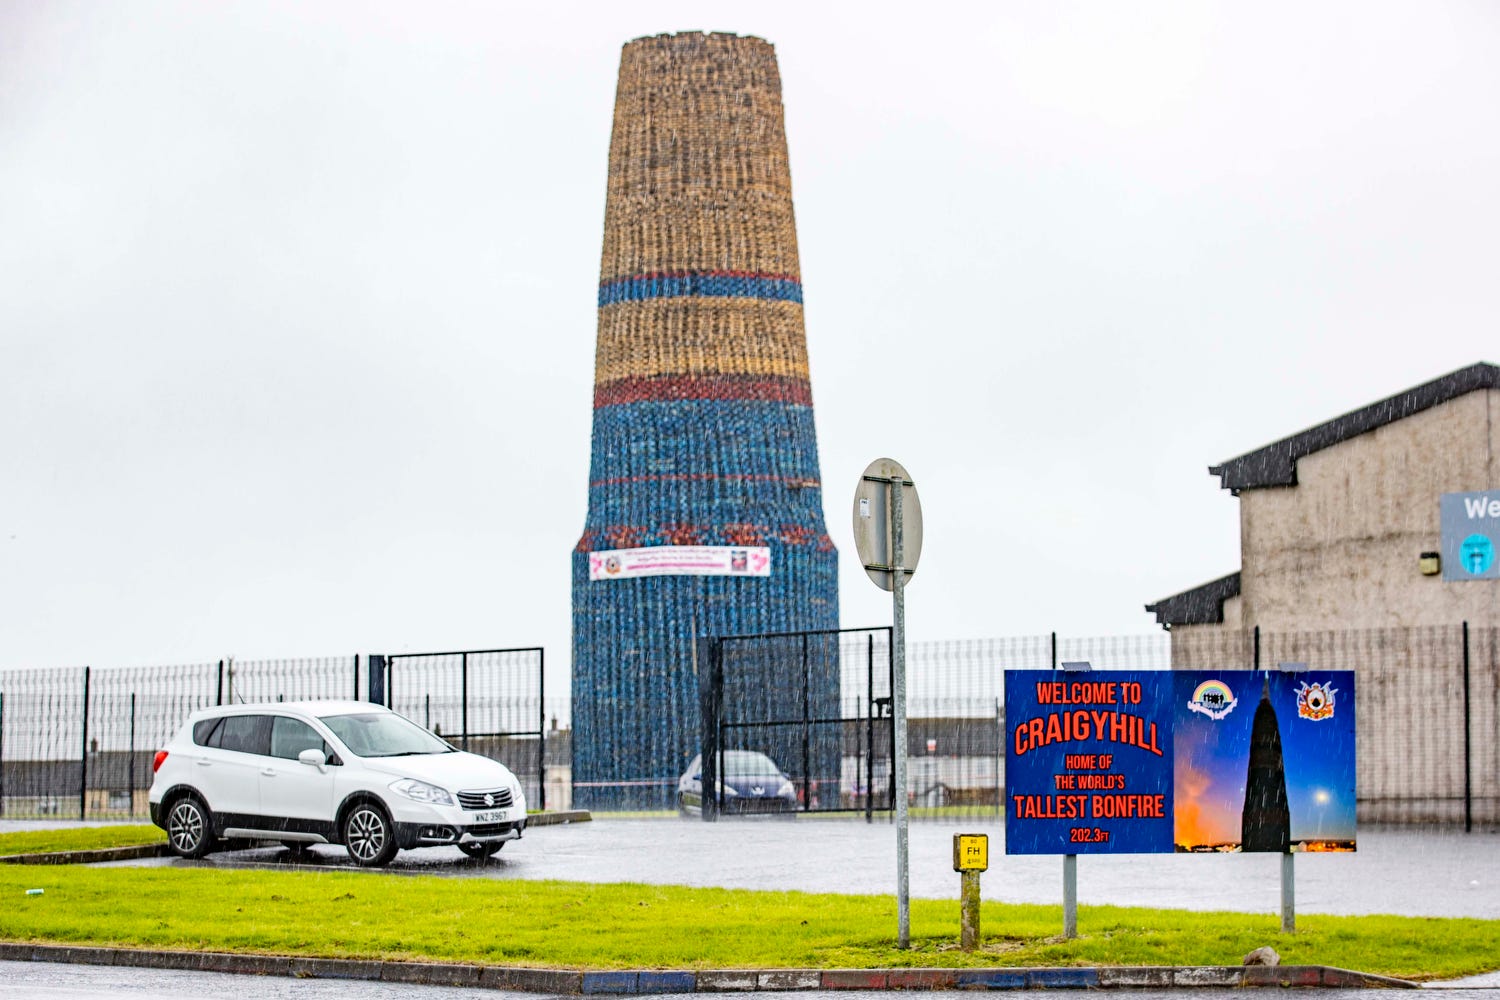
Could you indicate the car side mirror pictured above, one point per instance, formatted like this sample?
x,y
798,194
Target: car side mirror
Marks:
x,y
697,776
313,757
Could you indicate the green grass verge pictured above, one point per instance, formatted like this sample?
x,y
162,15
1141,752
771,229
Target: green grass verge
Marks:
x,y
581,925
86,838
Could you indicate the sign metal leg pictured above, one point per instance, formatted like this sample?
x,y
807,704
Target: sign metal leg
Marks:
x,y
1070,896
1288,893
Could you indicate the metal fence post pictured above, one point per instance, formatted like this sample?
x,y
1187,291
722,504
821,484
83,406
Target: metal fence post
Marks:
x,y
807,790
2,753
219,690
870,728
463,666
375,688
541,728
888,711
710,696
83,761
1468,743
356,677
999,761
130,760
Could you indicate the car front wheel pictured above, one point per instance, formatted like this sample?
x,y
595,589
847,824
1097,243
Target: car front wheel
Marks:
x,y
190,827
369,836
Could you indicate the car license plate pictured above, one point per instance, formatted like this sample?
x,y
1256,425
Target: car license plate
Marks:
x,y
489,817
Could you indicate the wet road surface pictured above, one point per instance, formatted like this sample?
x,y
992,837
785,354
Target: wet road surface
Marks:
x,y
1394,871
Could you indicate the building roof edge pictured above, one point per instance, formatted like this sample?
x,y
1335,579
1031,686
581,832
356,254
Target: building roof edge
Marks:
x,y
1276,463
1202,605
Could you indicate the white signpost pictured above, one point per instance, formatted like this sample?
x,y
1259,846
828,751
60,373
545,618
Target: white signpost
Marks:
x,y
888,538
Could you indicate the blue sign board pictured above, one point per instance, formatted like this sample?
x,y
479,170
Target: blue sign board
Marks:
x,y
1144,762
1470,525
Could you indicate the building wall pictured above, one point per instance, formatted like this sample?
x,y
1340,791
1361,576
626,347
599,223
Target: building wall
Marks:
x,y
1340,549
1330,575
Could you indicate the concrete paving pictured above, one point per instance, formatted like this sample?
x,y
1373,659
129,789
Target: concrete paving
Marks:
x,y
49,981
563,982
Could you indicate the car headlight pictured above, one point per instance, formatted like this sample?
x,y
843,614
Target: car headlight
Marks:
x,y
421,791
786,790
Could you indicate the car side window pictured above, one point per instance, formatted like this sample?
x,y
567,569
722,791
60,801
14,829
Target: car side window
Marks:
x,y
204,731
289,737
244,733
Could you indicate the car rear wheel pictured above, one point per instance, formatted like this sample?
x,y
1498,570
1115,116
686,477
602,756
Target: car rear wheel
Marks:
x,y
190,832
369,836
480,851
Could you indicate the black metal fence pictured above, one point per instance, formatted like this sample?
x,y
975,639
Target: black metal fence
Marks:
x,y
79,742
1427,708
488,701
1427,701
816,704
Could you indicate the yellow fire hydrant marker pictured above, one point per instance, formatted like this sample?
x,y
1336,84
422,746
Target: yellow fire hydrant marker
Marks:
x,y
971,855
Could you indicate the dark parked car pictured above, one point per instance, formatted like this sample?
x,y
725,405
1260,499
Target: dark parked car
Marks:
x,y
750,782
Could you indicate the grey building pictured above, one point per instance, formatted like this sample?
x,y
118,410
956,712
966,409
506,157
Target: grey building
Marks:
x,y
1341,567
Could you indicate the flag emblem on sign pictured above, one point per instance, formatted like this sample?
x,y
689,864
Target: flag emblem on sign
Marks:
x,y
1315,701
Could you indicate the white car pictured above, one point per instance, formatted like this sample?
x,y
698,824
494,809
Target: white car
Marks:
x,y
329,772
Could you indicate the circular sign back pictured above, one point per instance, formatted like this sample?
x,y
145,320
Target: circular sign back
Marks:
x,y
872,521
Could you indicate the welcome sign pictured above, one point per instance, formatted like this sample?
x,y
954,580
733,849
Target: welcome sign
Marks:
x,y
1144,762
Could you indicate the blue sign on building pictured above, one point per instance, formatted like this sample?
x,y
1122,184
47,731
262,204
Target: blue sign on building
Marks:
x,y
1470,532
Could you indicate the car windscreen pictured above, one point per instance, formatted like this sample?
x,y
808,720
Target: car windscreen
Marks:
x,y
380,734
748,764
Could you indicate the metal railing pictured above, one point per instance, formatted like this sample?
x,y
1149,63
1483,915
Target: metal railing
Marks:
x,y
78,742
1427,705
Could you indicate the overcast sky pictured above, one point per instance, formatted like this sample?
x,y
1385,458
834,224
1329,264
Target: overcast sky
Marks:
x,y
297,300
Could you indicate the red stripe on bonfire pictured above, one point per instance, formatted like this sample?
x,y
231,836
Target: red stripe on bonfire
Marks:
x,y
666,388
698,273
697,477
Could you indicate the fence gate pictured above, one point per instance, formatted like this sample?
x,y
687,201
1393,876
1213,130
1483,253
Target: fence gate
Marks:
x,y
486,701
818,704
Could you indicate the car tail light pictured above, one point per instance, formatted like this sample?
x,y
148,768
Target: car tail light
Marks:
x,y
161,755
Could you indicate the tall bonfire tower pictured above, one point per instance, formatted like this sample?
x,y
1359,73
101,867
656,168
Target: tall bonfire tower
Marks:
x,y
705,513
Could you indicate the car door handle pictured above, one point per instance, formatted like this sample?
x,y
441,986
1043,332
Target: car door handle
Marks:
x,y
205,763
268,772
